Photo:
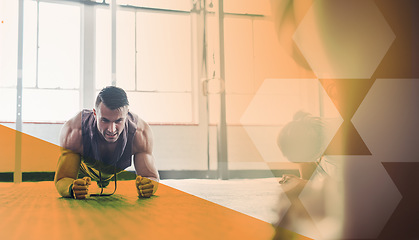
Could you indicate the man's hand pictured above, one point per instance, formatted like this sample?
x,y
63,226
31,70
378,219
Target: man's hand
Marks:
x,y
144,186
292,185
81,188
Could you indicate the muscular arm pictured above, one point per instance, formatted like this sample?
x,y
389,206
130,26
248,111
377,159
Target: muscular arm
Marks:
x,y
69,161
143,154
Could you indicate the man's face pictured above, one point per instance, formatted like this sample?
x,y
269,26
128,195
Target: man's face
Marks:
x,y
110,123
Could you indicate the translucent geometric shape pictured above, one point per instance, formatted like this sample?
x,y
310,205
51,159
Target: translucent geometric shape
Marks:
x,y
359,198
347,95
274,105
347,141
343,39
388,118
402,224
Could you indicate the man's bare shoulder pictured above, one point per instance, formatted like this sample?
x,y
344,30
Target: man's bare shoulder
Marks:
x,y
71,134
143,138
142,126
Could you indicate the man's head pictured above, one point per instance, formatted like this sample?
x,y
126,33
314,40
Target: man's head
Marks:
x,y
302,140
111,110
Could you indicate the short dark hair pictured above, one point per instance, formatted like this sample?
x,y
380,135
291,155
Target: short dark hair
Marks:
x,y
112,97
303,138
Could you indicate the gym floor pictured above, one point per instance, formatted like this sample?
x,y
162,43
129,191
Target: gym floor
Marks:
x,y
181,209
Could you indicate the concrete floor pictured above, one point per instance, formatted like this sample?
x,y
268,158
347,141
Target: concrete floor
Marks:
x,y
36,211
254,197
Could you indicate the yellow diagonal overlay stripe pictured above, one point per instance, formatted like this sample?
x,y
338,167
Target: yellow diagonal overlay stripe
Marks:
x,y
7,149
37,154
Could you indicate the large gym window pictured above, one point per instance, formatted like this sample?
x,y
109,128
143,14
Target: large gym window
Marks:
x,y
51,61
153,61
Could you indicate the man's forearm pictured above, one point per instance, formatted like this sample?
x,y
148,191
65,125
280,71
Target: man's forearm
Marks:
x,y
63,186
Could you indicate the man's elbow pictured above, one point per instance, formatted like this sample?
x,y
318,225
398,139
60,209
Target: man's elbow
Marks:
x,y
62,185
58,186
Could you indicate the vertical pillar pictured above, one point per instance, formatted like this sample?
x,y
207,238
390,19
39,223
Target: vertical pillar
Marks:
x,y
113,42
88,50
17,175
222,125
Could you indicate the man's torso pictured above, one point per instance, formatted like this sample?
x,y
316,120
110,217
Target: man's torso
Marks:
x,y
106,156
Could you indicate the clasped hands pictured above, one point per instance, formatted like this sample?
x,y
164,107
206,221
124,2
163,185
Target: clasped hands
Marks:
x,y
80,187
